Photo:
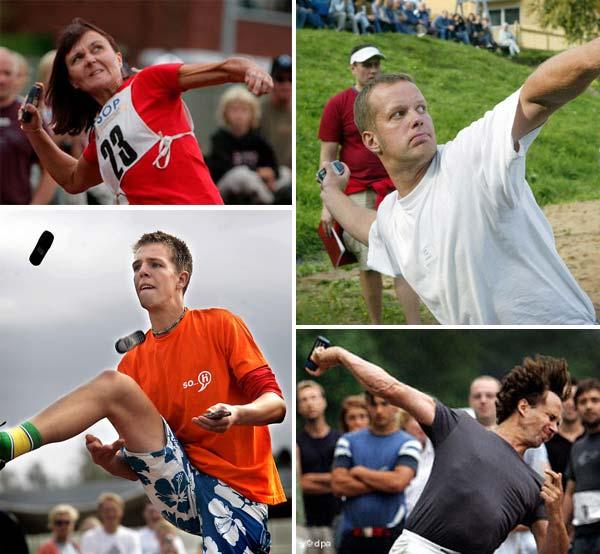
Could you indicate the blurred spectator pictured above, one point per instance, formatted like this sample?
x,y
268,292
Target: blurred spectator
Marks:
x,y
444,26
460,29
322,9
16,154
314,449
364,18
168,539
90,522
506,39
354,414
482,399
410,19
148,536
582,497
61,521
423,14
341,11
241,162
570,429
12,535
413,492
111,536
487,38
23,74
306,13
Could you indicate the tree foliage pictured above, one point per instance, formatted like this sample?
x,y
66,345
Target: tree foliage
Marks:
x,y
580,19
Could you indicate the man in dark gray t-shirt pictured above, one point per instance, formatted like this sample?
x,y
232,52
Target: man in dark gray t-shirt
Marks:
x,y
480,488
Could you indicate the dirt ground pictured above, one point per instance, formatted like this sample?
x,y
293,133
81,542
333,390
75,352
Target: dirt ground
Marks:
x,y
577,232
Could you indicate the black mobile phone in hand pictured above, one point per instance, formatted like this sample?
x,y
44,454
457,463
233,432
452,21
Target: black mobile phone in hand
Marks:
x,y
219,414
338,169
33,97
319,341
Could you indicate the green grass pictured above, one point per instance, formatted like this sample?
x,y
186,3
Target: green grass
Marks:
x,y
460,83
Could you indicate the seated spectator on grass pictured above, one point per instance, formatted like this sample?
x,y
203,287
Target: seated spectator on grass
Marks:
x,y
423,14
341,11
306,15
241,162
383,11
460,29
444,26
410,19
507,39
322,9
365,18
486,34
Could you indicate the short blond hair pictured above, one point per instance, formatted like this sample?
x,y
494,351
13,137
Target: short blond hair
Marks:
x,y
239,93
44,68
307,383
62,509
110,497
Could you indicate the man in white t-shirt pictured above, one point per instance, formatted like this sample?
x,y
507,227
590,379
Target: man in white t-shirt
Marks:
x,y
111,537
463,226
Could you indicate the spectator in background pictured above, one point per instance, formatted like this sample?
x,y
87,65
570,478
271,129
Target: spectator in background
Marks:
x,y
17,157
506,39
168,539
444,26
241,162
410,19
413,492
423,14
306,13
364,17
148,537
570,429
276,124
371,469
111,536
61,521
341,11
354,414
23,74
473,29
383,15
582,497
482,399
486,37
369,182
90,522
315,446
460,29
12,535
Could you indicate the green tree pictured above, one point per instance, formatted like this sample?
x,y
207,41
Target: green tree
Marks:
x,y
580,19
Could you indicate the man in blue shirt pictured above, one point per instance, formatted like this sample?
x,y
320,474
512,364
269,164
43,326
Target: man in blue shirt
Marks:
x,y
371,469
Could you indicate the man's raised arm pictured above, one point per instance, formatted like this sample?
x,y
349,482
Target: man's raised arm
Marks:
x,y
377,381
355,220
553,84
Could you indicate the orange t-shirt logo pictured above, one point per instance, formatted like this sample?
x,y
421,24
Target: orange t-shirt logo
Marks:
x,y
204,379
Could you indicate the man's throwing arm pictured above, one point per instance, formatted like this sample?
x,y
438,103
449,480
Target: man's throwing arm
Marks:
x,y
554,83
377,381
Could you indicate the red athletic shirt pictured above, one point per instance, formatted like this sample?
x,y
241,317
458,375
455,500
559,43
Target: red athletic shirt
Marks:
x,y
198,364
156,96
337,125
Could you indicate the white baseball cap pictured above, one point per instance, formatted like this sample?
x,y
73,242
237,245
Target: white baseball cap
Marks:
x,y
365,54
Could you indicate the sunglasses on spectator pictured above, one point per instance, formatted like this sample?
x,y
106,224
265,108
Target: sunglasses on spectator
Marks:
x,y
61,522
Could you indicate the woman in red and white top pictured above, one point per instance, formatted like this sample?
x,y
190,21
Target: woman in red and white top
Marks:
x,y
141,135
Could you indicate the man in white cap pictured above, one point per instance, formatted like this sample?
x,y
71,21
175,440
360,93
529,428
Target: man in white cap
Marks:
x,y
369,181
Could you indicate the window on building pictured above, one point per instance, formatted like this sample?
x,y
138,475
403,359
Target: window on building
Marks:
x,y
505,15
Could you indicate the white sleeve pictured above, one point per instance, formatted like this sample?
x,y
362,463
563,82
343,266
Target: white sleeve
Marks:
x,y
85,544
488,145
378,257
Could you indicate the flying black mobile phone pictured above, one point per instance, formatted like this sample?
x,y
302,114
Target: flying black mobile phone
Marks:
x,y
319,341
33,97
338,169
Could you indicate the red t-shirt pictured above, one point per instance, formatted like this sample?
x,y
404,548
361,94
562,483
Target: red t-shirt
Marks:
x,y
198,364
156,97
337,125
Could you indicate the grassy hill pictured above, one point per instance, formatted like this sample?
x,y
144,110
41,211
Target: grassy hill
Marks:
x,y
460,83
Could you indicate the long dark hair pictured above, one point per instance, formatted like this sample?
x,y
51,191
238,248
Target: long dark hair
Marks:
x,y
73,111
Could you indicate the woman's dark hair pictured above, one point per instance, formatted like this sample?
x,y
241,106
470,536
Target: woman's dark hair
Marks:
x,y
73,111
531,381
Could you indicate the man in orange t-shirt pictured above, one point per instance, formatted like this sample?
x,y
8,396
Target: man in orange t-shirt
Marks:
x,y
190,403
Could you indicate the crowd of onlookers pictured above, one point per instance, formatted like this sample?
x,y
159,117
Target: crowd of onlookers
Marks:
x,y
403,16
104,533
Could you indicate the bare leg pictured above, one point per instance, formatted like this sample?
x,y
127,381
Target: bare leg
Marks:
x,y
408,300
114,396
372,287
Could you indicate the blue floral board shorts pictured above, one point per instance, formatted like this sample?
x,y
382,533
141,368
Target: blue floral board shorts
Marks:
x,y
197,503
